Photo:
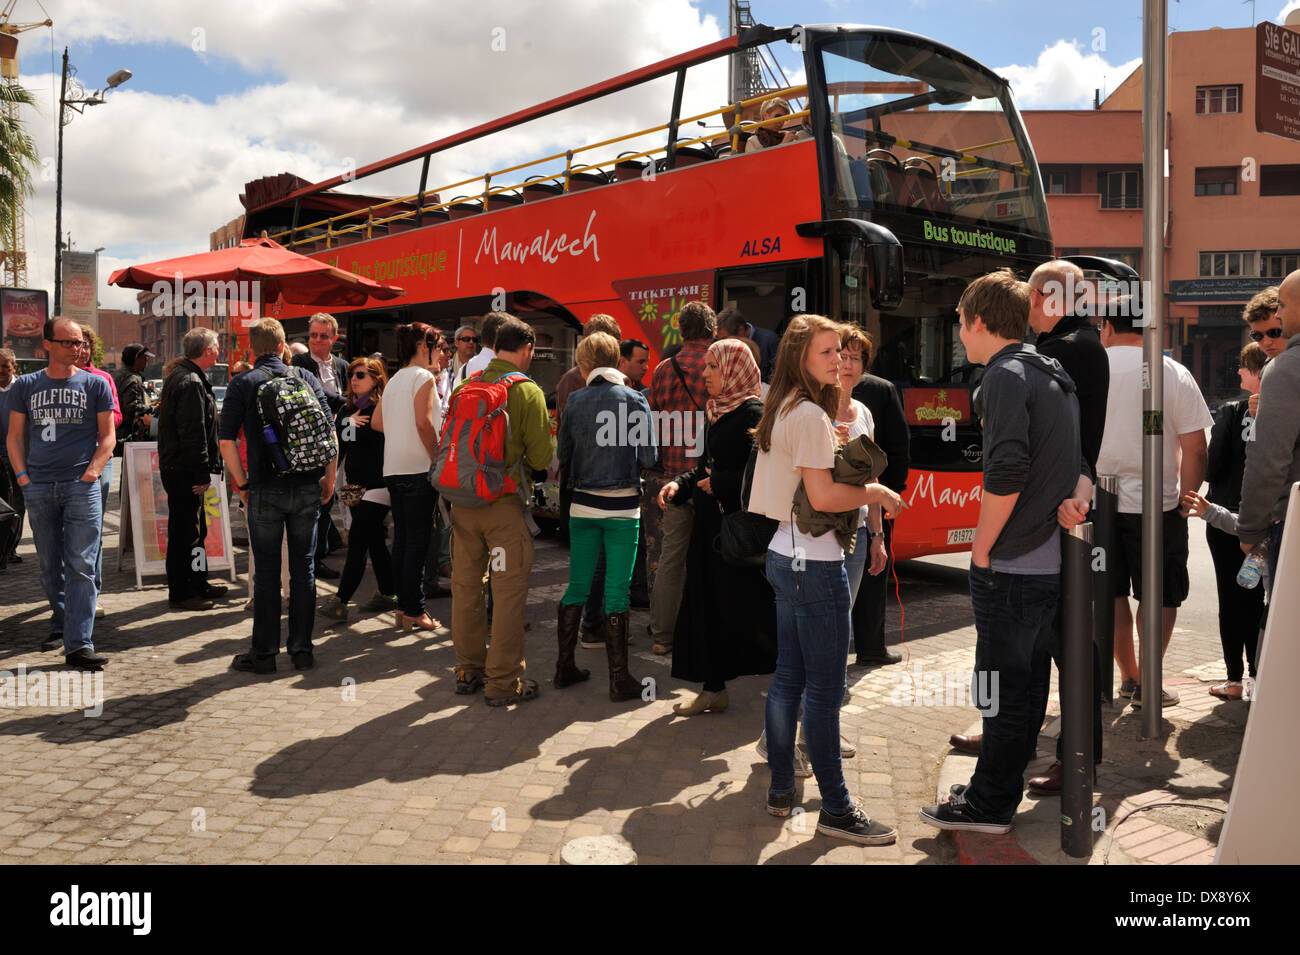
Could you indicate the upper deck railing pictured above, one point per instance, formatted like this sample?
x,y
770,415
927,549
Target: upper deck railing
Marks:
x,y
405,212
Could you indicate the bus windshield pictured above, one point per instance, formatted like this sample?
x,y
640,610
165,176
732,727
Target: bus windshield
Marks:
x,y
917,130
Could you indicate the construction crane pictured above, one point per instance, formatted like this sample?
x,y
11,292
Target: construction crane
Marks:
x,y
13,245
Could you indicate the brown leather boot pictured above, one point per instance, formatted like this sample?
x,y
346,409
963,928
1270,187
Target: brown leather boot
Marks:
x,y
622,685
566,671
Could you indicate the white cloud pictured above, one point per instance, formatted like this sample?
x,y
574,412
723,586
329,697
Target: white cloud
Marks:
x,y
1289,8
1064,77
149,176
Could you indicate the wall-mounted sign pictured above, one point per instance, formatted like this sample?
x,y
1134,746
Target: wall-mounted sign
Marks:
x,y
1238,289
1277,81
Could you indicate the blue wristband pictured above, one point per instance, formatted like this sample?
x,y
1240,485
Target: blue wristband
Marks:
x,y
19,474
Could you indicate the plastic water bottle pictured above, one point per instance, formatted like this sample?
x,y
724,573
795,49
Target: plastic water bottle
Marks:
x,y
1253,567
281,463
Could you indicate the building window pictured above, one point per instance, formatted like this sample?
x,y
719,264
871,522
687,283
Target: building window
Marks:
x,y
1218,99
1278,265
1058,183
1120,190
1216,181
1279,180
1222,265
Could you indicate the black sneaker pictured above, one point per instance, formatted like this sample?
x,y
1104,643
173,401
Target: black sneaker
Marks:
x,y
955,814
780,805
84,659
247,663
302,660
855,826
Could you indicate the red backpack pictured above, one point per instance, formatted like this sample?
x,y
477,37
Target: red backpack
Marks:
x,y
470,470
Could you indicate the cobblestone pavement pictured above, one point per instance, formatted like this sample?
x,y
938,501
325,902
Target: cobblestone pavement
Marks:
x,y
370,757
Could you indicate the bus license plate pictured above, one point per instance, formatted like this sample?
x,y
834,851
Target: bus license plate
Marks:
x,y
964,535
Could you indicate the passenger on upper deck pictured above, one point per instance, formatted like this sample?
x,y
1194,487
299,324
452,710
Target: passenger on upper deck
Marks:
x,y
776,134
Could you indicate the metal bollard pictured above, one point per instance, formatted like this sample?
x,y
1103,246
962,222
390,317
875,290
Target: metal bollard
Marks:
x,y
1105,510
1076,692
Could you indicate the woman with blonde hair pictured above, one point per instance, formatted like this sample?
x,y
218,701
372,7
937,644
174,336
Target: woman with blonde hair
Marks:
x,y
361,454
604,472
796,442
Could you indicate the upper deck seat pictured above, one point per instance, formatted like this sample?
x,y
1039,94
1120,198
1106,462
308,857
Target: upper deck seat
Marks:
x,y
504,200
692,155
588,177
464,209
535,189
626,169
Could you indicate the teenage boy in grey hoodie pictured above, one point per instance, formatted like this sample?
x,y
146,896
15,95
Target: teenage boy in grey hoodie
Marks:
x,y
1033,469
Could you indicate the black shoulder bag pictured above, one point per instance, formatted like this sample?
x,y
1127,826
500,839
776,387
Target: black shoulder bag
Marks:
x,y
744,537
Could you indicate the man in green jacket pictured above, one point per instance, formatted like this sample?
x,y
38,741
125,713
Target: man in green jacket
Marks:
x,y
497,535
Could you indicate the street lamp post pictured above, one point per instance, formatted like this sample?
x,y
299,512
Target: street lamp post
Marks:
x,y
77,102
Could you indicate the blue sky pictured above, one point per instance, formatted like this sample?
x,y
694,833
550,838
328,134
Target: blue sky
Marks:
x,y
226,93
1027,26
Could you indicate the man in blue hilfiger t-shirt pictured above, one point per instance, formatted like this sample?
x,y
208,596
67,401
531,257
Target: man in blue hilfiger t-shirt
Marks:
x,y
60,439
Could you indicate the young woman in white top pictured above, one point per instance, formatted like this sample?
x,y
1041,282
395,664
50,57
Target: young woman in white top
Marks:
x,y
796,441
410,417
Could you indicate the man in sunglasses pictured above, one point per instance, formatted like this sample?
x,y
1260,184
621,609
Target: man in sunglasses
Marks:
x,y
1265,326
466,343
61,436
1273,457
332,371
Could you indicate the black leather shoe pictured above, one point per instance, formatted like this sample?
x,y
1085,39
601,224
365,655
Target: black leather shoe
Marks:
x,y
303,660
326,572
214,591
882,658
247,663
192,603
53,641
15,559
84,659
966,744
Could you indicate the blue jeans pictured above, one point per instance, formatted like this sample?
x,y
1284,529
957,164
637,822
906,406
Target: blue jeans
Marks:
x,y
66,519
855,564
413,499
1015,624
105,483
273,511
813,633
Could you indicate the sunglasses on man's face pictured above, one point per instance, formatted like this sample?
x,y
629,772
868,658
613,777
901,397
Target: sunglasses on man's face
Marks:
x,y
1271,333
474,340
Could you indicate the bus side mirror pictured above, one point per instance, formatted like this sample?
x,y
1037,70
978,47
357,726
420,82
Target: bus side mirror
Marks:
x,y
886,276
884,249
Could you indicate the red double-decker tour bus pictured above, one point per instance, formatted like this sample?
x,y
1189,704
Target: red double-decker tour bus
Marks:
x,y
901,172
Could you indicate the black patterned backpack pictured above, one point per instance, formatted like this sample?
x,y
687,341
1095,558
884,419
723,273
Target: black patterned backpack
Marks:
x,y
299,435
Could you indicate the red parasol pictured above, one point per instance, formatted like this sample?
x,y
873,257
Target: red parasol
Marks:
x,y
277,272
